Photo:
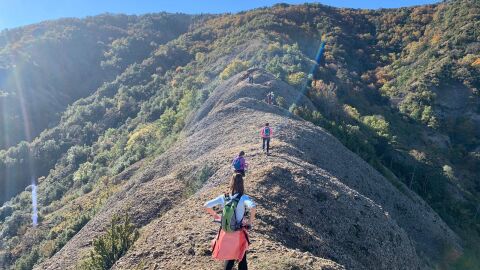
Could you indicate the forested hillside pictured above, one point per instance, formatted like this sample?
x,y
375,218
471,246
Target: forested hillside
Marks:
x,y
45,67
99,98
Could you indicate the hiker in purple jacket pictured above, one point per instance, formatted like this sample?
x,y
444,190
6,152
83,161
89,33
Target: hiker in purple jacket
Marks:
x,y
239,164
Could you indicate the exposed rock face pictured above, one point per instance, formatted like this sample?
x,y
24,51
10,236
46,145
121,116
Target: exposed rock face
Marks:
x,y
319,205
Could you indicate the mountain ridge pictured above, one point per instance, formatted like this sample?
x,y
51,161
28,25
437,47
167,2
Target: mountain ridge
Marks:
x,y
381,90
205,146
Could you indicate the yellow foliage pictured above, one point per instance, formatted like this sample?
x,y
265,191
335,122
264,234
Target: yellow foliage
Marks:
x,y
470,59
378,124
274,47
201,79
233,68
382,76
141,135
351,111
296,78
199,56
435,39
83,172
186,104
414,46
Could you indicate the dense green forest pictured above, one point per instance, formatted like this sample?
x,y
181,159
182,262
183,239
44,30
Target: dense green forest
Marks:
x,y
399,87
45,67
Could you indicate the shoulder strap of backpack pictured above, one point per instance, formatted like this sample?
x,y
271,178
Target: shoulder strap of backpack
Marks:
x,y
230,197
239,196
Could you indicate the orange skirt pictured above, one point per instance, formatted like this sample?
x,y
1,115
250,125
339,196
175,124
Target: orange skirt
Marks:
x,y
230,246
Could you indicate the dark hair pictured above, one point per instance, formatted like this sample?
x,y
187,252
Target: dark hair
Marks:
x,y
236,184
266,124
241,153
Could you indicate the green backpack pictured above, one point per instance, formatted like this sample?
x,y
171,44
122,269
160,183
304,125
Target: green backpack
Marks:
x,y
229,219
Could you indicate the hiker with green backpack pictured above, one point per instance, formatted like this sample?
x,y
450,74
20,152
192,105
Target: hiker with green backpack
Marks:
x,y
231,242
266,134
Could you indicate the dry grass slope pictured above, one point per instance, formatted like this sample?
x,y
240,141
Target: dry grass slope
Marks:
x,y
319,205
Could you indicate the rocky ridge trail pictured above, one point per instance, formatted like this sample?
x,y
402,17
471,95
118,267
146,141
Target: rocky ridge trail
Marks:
x,y
319,205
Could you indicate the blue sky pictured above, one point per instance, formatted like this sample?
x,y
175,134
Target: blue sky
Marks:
x,y
21,12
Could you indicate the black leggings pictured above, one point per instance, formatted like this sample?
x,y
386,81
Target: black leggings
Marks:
x,y
242,172
267,141
242,265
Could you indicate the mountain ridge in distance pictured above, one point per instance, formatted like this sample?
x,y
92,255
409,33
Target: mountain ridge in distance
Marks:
x,y
382,92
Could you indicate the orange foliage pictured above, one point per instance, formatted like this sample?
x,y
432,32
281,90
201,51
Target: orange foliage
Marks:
x,y
382,76
476,63
435,39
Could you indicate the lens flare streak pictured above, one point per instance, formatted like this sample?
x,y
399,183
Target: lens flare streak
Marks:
x,y
28,135
310,76
34,204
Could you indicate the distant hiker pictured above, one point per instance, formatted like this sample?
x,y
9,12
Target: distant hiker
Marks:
x,y
239,165
231,243
270,97
266,134
250,78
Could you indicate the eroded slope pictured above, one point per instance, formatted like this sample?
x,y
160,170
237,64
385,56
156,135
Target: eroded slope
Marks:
x,y
319,204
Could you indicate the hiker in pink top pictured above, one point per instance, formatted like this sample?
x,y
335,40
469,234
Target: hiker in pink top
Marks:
x,y
266,134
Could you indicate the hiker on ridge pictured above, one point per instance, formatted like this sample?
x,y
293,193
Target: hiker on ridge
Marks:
x,y
239,165
268,98
266,132
272,98
231,243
